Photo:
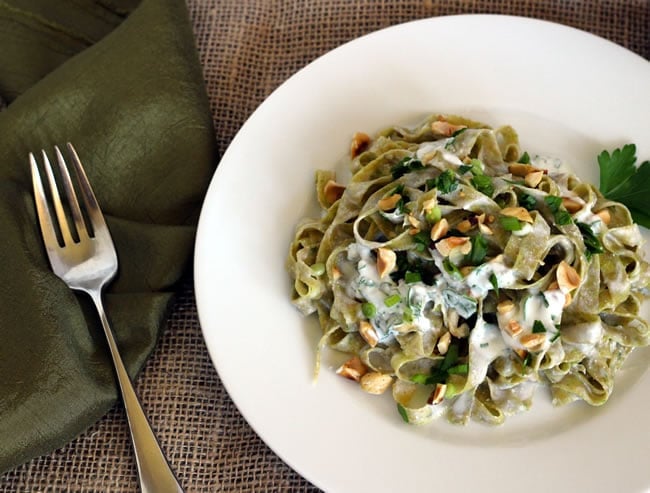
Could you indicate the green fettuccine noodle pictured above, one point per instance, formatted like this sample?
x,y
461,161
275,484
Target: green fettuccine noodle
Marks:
x,y
463,279
121,80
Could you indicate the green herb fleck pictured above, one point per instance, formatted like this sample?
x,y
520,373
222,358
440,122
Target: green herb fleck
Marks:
x,y
561,215
556,336
592,242
392,300
446,182
525,158
538,327
510,223
495,283
368,309
528,359
483,184
451,268
527,201
412,277
461,369
451,357
479,250
402,412
421,240
407,315
406,165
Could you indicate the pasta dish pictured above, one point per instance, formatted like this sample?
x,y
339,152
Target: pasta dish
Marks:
x,y
461,274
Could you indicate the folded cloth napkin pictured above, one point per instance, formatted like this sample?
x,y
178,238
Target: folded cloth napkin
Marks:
x,y
121,80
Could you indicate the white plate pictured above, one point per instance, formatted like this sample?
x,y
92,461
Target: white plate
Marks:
x,y
568,94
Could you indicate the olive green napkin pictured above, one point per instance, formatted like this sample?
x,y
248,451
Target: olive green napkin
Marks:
x,y
122,82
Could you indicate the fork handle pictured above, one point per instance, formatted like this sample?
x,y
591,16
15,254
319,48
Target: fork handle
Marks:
x,y
156,476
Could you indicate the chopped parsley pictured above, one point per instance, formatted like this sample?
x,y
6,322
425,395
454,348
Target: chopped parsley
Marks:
x,y
561,215
452,269
483,184
406,165
592,243
402,412
510,223
446,182
622,181
525,158
411,277
462,369
495,283
538,327
421,240
527,201
479,250
392,300
369,310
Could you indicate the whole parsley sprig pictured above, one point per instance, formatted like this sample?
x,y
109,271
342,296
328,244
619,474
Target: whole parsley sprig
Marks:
x,y
622,181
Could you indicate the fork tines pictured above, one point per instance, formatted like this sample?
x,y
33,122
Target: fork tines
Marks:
x,y
82,228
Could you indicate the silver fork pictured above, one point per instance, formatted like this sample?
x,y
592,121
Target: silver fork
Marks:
x,y
87,264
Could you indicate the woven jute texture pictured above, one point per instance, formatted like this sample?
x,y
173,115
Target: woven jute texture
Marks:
x,y
249,47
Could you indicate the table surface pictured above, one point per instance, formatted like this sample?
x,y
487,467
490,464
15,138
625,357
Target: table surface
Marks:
x,y
247,49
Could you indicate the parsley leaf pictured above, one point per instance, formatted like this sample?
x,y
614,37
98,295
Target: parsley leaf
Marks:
x,y
406,165
527,201
483,184
592,242
561,215
479,250
525,158
622,181
446,182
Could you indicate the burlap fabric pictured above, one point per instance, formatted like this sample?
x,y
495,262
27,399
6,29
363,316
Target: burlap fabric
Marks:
x,y
249,47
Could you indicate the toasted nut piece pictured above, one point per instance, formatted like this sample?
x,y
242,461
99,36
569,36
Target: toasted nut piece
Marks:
x,y
336,273
486,230
604,216
567,277
518,212
522,353
460,331
427,205
513,328
461,193
490,219
445,128
520,169
368,333
414,231
440,229
571,205
376,383
446,245
532,342
333,191
386,260
389,203
443,343
414,221
505,306
466,270
452,319
567,300
359,143
533,178
352,369
438,394
553,286
464,226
